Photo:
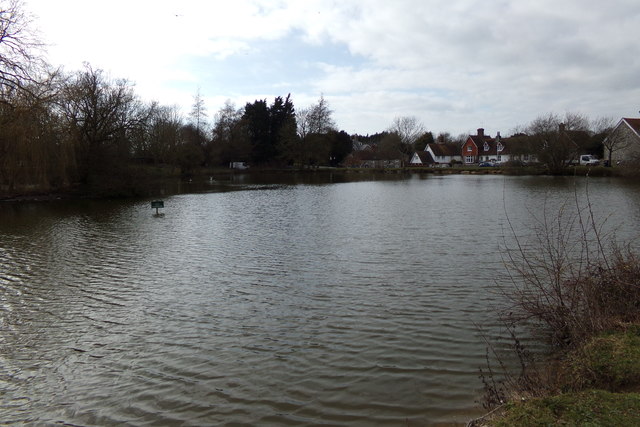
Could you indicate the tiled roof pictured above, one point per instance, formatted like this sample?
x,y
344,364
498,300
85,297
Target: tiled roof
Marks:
x,y
493,145
445,149
479,140
634,124
425,157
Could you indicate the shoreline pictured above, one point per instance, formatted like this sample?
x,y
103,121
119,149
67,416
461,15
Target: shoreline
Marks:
x,y
31,193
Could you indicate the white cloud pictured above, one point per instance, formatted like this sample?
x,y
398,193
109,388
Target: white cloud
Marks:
x,y
456,65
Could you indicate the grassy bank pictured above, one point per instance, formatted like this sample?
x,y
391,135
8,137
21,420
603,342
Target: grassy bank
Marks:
x,y
585,408
576,288
596,384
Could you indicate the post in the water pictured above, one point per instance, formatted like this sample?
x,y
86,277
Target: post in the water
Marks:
x,y
157,204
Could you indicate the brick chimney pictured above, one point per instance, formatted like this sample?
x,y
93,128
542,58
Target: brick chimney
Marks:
x,y
481,132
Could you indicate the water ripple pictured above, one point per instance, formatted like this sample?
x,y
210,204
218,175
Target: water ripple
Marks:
x,y
285,305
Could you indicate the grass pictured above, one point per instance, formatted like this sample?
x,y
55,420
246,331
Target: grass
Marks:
x,y
598,385
609,361
584,408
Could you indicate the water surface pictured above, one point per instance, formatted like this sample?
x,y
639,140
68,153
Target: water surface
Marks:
x,y
250,303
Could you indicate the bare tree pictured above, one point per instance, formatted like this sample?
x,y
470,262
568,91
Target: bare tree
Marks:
x,y
34,153
230,142
198,112
226,119
602,128
20,48
552,144
576,122
101,115
602,125
315,119
408,128
164,133
302,122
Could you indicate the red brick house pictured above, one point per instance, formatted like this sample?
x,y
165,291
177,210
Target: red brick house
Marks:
x,y
482,148
473,146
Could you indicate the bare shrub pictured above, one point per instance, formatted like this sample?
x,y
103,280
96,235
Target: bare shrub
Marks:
x,y
571,280
521,378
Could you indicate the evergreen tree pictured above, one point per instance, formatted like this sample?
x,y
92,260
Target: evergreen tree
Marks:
x,y
271,130
256,116
283,128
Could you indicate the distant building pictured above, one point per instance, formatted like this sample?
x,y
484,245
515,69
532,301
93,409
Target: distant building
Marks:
x,y
444,154
421,158
482,148
623,141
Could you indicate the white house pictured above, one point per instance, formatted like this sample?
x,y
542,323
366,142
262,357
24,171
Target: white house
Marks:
x,y
421,158
444,154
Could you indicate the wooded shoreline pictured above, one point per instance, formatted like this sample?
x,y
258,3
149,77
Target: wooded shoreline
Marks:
x,y
145,180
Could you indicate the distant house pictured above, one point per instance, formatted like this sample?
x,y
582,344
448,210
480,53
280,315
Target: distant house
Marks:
x,y
357,145
482,148
421,158
444,154
623,143
522,148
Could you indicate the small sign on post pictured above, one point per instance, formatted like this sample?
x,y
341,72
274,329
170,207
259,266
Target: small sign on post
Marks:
x,y
157,204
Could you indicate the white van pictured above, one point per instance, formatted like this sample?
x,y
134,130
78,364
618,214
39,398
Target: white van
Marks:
x,y
589,160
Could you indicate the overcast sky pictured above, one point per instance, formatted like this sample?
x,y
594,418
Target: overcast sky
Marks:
x,y
456,65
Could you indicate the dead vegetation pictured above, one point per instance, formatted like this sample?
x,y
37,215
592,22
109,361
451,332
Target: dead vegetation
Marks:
x,y
570,283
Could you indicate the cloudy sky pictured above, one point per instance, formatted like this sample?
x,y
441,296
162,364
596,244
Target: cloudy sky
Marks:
x,y
456,65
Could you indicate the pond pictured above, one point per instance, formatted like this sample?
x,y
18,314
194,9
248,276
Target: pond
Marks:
x,y
268,302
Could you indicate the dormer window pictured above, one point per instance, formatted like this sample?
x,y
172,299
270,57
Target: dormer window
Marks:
x,y
499,147
486,146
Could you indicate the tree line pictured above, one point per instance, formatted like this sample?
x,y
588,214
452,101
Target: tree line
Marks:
x,y
88,129
85,128
557,141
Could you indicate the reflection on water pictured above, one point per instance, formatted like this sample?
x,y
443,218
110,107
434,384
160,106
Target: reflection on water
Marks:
x,y
346,303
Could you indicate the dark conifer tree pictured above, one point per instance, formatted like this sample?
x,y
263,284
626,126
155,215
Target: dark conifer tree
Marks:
x,y
256,116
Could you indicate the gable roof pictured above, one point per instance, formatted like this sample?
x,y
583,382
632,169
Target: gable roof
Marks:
x,y
634,124
479,140
425,157
492,145
626,123
444,149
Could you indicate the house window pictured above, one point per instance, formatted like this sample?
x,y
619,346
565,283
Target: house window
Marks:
x,y
486,147
526,157
469,149
469,159
500,147
499,158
